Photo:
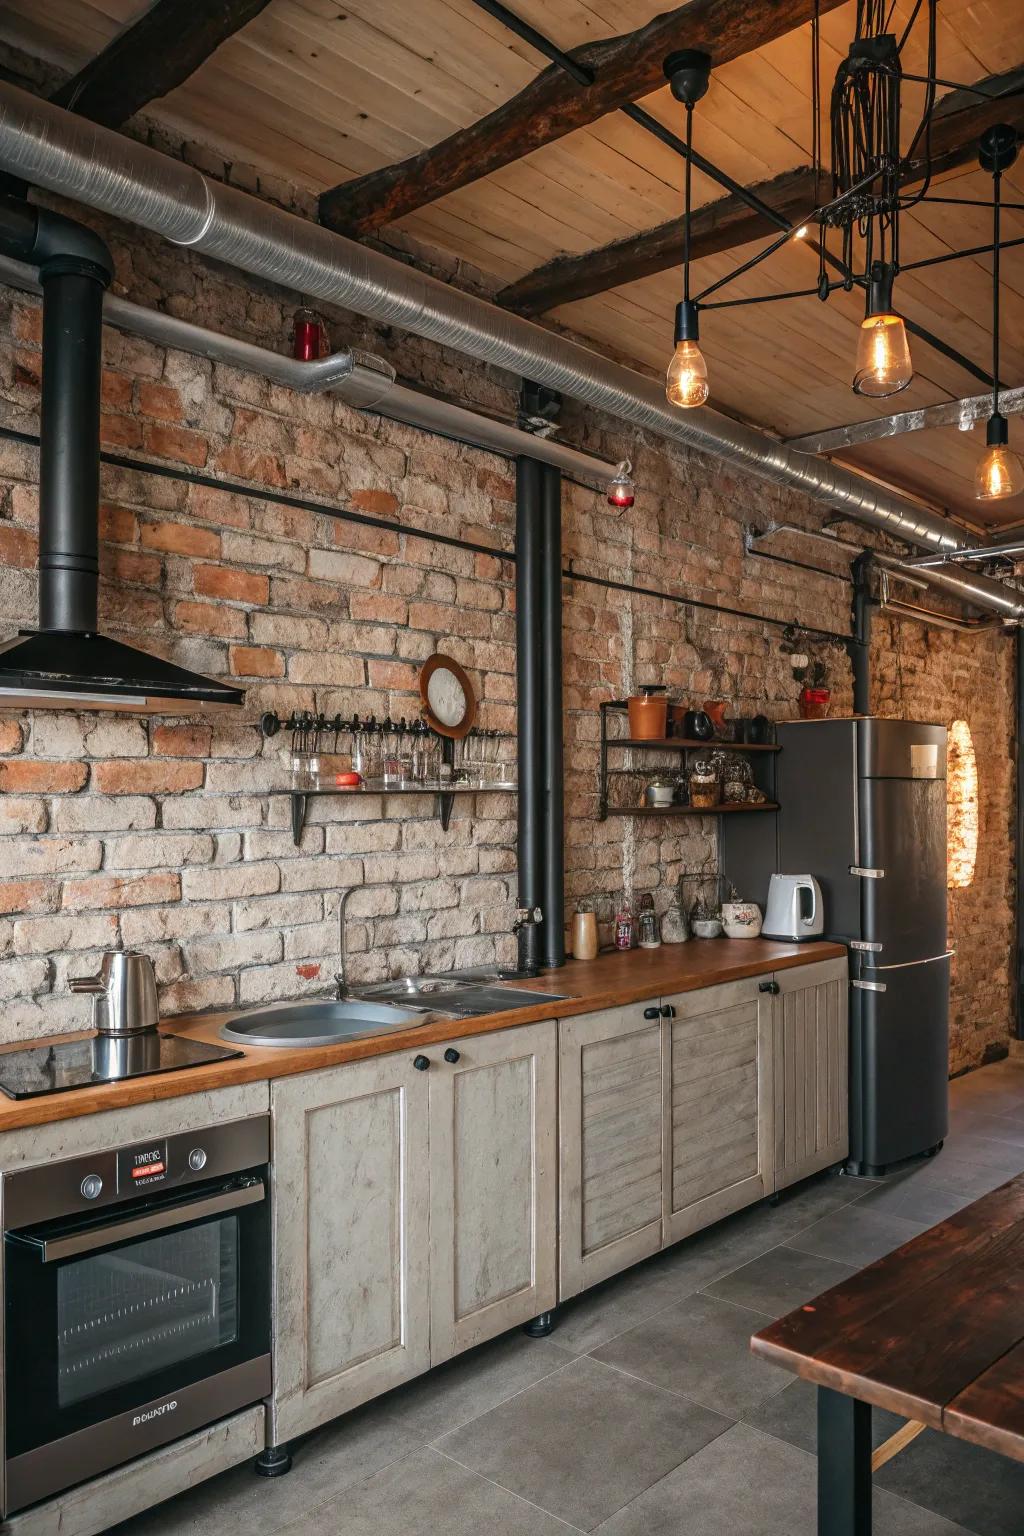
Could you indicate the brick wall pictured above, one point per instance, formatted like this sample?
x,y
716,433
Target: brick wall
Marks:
x,y
164,832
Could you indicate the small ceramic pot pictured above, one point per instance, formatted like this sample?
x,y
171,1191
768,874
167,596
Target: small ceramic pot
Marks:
x,y
707,928
741,919
660,793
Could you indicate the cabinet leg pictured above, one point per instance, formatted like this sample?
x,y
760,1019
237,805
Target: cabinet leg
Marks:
x,y
844,1465
775,1199
539,1327
275,1461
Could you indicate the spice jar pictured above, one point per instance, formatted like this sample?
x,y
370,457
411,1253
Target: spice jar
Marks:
x,y
705,785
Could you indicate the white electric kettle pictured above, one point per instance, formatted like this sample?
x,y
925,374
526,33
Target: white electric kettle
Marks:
x,y
794,909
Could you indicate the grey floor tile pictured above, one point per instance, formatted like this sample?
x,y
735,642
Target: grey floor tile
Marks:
x,y
780,1280
792,1415
981,1123
749,1484
856,1235
586,1322
584,1441
949,1170
472,1384
983,1491
325,1463
700,1347
986,1150
925,1204
422,1495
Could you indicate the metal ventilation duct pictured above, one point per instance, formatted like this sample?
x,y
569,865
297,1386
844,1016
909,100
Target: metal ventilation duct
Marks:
x,y
51,148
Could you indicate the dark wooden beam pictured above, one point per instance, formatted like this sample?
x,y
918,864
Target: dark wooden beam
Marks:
x,y
624,69
149,58
958,122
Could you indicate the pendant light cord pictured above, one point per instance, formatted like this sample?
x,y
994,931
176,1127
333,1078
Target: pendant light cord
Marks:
x,y
997,188
687,181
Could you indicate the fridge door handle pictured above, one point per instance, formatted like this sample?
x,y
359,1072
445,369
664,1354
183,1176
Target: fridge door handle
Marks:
x,y
904,965
869,986
867,874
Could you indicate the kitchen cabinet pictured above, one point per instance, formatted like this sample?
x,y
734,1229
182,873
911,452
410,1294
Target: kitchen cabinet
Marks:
x,y
718,1104
610,1153
493,1184
351,1238
811,1056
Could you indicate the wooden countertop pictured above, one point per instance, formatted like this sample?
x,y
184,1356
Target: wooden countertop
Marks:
x,y
609,981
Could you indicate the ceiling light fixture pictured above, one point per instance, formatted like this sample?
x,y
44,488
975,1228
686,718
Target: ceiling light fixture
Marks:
x,y
1000,473
686,383
621,490
884,366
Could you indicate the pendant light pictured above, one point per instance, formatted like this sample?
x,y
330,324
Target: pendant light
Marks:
x,y
883,365
686,382
1000,473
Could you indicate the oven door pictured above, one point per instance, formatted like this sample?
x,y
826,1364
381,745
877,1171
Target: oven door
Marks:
x,y
132,1328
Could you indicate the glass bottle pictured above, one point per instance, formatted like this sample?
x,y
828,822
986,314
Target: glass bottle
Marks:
x,y
625,927
647,924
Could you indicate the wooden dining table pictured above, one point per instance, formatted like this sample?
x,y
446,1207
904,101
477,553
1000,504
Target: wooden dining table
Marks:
x,y
934,1332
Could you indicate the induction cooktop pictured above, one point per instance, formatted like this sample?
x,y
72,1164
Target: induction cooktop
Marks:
x,y
43,1069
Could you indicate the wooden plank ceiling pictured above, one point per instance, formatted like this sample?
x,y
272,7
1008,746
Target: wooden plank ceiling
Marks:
x,y
323,91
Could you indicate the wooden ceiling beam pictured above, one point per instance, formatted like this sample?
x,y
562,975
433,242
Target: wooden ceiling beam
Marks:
x,y
624,69
152,56
958,122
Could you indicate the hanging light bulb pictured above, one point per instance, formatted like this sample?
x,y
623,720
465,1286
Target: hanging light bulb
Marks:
x,y
1000,472
884,365
686,382
621,490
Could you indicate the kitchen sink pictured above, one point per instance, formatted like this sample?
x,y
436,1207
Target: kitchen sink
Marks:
x,y
320,1022
459,997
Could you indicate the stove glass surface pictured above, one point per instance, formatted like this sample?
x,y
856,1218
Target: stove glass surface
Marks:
x,y
101,1059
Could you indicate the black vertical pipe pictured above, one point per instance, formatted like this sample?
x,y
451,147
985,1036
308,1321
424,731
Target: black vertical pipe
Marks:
x,y
1019,839
528,698
69,434
860,646
553,840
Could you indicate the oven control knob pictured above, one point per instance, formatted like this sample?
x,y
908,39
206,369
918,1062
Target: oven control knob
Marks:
x,y
92,1186
197,1159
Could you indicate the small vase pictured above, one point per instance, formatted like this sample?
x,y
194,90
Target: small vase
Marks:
x,y
715,710
813,703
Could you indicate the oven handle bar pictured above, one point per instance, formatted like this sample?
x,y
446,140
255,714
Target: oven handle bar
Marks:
x,y
54,1248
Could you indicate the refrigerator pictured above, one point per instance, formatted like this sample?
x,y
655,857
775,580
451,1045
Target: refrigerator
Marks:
x,y
863,809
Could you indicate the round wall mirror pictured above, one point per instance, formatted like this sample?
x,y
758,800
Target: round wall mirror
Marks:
x,y
448,703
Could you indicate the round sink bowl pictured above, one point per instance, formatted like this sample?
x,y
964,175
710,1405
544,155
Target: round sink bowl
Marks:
x,y
320,1022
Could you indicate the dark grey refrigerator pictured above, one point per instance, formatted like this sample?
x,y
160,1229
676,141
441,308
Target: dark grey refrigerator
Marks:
x,y
863,809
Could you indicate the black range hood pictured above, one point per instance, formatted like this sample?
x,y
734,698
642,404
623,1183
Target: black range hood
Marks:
x,y
66,663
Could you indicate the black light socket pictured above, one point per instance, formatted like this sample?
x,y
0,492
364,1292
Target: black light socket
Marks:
x,y
688,72
998,148
997,433
687,321
880,288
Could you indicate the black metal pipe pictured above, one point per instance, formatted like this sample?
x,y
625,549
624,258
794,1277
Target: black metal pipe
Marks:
x,y
529,603
551,742
860,645
1019,840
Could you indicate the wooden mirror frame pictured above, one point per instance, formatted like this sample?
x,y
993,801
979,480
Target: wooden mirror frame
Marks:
x,y
440,662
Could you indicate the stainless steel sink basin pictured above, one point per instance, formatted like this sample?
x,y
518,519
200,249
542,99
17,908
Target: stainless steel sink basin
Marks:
x,y
320,1022
458,997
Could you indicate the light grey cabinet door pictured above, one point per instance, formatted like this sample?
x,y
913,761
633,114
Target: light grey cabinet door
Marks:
x,y
811,1032
351,1244
718,1104
493,1184
610,1144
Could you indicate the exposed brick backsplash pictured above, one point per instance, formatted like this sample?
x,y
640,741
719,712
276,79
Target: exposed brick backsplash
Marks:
x,y
163,833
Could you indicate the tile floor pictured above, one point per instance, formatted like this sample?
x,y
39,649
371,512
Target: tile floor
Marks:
x,y
645,1413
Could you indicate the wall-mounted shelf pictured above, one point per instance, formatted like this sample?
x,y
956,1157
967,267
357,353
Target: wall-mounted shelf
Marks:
x,y
443,791
678,744
728,809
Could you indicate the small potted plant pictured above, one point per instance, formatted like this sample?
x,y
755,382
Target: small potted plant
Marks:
x,y
815,694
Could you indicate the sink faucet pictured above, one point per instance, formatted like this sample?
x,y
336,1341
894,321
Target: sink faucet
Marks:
x,y
341,979
527,917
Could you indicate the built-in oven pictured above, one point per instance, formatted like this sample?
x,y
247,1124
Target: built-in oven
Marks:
x,y
136,1302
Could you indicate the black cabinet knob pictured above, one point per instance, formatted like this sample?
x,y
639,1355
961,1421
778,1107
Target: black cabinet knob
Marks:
x,y
667,1011
770,986
421,1063
652,1013
451,1055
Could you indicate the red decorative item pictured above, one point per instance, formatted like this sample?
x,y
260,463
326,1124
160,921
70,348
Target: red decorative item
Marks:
x,y
621,490
715,710
814,703
308,336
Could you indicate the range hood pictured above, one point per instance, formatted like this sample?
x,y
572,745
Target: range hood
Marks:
x,y
66,662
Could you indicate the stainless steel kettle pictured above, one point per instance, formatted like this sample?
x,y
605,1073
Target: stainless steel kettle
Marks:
x,y
794,908
124,993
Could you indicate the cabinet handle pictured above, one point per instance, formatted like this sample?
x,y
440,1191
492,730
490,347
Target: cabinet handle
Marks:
x,y
770,986
652,1013
451,1055
667,1011
421,1063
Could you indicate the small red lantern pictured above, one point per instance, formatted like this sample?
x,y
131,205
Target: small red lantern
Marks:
x,y
307,336
621,490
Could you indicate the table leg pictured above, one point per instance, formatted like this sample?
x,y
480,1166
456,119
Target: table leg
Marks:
x,y
844,1465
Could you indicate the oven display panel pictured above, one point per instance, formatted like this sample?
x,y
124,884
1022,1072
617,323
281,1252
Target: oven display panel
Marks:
x,y
142,1167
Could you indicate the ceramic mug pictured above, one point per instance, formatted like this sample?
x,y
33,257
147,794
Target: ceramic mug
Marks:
x,y
741,919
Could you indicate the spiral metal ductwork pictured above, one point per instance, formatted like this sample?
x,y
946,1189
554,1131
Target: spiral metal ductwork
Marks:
x,y
51,148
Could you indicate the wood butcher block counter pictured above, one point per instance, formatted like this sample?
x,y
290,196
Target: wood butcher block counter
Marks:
x,y
612,980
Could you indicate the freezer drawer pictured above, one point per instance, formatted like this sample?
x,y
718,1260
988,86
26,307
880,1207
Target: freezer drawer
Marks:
x,y
903,833
899,1044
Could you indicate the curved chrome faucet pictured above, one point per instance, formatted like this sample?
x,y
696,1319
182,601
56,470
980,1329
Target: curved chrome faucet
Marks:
x,y
341,977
